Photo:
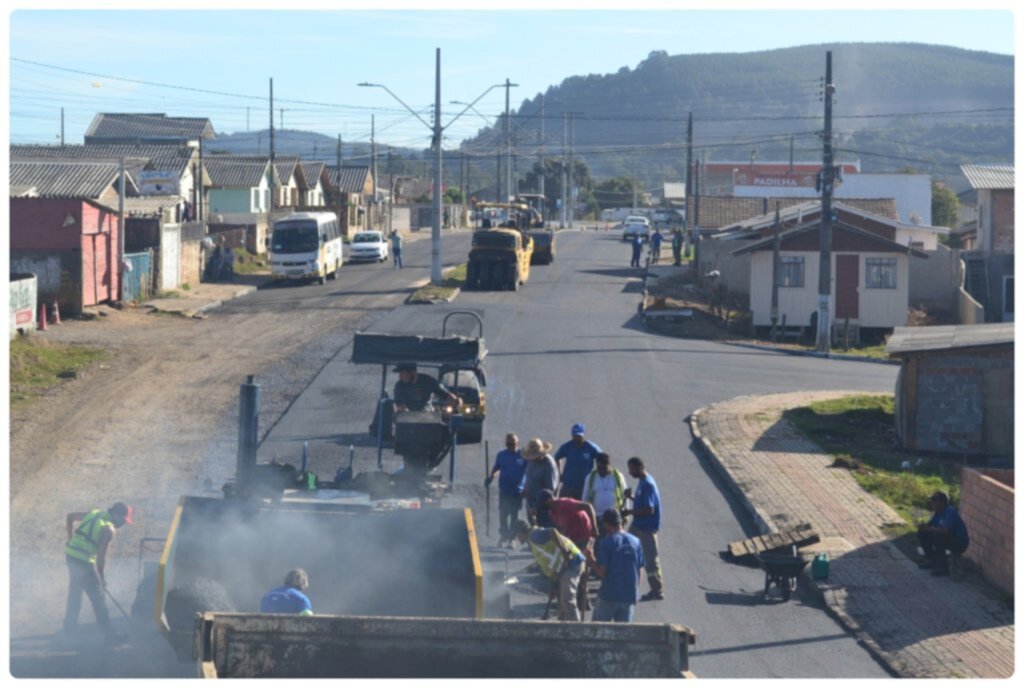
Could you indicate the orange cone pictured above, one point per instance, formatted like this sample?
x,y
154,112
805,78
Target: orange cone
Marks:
x,y
42,316
56,313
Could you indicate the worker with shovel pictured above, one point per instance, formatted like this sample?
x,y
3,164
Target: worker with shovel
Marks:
x,y
86,555
560,561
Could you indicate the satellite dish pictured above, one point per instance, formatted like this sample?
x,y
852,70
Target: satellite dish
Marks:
x,y
914,218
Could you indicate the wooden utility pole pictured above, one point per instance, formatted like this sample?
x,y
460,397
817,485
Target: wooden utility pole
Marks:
x,y
825,242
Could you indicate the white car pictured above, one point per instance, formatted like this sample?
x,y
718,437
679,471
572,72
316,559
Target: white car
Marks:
x,y
372,245
634,225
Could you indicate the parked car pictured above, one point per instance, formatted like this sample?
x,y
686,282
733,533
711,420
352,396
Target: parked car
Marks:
x,y
634,225
371,245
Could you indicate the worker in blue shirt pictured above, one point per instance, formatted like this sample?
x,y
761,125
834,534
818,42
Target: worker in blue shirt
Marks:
x,y
289,598
656,240
944,531
511,466
638,247
646,514
618,561
579,454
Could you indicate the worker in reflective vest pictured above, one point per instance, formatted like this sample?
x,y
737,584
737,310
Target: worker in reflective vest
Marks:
x,y
605,488
560,561
86,555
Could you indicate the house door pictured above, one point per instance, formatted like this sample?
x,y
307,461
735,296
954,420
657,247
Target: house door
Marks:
x,y
847,282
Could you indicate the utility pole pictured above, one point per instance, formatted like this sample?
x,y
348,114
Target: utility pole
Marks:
x,y
282,119
572,175
695,231
515,161
246,119
201,215
825,242
791,155
62,127
540,154
435,234
120,232
373,159
508,141
337,180
273,170
776,246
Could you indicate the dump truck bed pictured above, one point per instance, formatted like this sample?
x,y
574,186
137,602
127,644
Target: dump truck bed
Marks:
x,y
274,645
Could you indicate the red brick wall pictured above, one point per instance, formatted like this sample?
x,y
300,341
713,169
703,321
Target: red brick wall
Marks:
x,y
986,506
1002,221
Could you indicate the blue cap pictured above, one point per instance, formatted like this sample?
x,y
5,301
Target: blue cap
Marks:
x,y
578,429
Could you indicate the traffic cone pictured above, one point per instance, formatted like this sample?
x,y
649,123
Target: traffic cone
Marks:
x,y
42,316
56,313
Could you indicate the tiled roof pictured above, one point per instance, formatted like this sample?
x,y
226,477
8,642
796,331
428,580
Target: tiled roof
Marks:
x,y
148,206
992,176
352,179
235,171
907,339
143,126
286,166
721,211
812,208
311,170
169,158
67,179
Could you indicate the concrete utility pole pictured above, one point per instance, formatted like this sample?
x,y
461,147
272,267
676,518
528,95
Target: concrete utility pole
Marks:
x,y
825,242
435,232
572,175
540,154
776,267
337,181
373,166
120,232
689,156
62,127
201,211
273,170
565,137
508,142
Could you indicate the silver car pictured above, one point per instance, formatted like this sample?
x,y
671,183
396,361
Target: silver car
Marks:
x,y
370,246
634,225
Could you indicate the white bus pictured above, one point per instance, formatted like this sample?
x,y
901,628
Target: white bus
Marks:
x,y
306,246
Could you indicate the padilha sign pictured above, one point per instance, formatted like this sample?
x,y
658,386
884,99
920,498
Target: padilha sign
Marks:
x,y
780,180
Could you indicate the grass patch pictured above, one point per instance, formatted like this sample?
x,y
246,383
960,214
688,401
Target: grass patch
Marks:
x,y
246,263
860,429
36,366
451,281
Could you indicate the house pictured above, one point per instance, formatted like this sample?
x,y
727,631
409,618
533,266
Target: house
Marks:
x,y
291,191
64,229
352,188
870,272
317,181
141,128
989,263
955,388
239,184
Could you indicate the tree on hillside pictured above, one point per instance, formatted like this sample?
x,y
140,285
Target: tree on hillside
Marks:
x,y
945,205
617,192
553,183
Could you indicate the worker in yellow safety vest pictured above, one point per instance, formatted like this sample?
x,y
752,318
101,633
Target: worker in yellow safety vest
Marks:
x,y
86,555
605,488
559,560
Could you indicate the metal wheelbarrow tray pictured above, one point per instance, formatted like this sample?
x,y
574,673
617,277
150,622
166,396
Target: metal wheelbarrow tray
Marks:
x,y
781,570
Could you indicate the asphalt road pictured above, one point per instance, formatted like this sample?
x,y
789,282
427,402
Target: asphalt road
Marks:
x,y
569,347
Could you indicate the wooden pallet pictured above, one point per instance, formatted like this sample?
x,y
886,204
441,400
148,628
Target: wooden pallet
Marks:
x,y
800,536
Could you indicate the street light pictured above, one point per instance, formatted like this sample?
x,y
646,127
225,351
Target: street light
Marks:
x,y
482,115
436,128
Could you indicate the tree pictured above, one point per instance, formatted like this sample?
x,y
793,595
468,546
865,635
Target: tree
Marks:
x,y
453,194
553,183
617,192
945,205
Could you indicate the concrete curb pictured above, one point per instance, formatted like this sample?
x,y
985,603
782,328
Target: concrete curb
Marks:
x,y
821,589
814,354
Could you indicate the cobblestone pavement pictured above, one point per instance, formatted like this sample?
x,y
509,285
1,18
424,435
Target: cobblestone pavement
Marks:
x,y
919,625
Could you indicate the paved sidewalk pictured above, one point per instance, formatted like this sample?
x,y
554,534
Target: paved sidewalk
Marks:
x,y
919,625
204,296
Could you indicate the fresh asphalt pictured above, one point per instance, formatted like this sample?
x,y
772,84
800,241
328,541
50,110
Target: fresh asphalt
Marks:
x,y
569,347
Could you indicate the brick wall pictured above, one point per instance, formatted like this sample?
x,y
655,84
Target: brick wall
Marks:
x,y
986,505
951,399
191,262
1002,221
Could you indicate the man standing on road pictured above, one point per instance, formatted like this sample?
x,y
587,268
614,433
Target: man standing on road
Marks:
x,y
541,474
575,520
560,561
677,247
605,488
396,249
414,390
290,598
646,514
86,555
638,247
618,563
944,531
512,466
656,240
579,454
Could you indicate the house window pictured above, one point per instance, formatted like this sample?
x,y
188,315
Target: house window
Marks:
x,y
917,245
880,273
791,271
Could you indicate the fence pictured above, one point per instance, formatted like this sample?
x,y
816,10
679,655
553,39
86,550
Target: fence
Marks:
x,y
138,281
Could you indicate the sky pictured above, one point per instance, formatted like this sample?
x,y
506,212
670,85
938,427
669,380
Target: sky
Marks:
x,y
219,63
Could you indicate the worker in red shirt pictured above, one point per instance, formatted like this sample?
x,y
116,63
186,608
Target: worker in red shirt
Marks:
x,y
577,521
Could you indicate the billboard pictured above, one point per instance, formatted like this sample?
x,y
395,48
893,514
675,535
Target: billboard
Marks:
x,y
158,183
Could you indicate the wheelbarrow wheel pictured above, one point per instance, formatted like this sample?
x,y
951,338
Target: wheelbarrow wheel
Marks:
x,y
787,588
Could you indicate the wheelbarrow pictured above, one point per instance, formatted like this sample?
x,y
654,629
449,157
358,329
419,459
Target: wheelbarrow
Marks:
x,y
782,571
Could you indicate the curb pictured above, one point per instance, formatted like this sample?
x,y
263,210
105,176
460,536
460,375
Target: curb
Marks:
x,y
813,354
819,591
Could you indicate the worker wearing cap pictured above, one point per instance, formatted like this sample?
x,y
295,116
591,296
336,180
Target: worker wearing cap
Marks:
x,y
944,531
579,454
290,598
86,555
559,560
414,390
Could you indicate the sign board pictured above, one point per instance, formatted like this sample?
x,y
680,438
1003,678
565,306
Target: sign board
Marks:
x,y
774,180
158,183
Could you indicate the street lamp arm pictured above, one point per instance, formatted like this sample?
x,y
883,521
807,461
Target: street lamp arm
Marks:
x,y
470,105
416,114
478,113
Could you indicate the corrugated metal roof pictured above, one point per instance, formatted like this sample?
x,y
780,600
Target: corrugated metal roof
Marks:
x,y
134,125
311,170
352,179
235,171
67,179
169,158
909,339
721,212
148,206
287,165
994,176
